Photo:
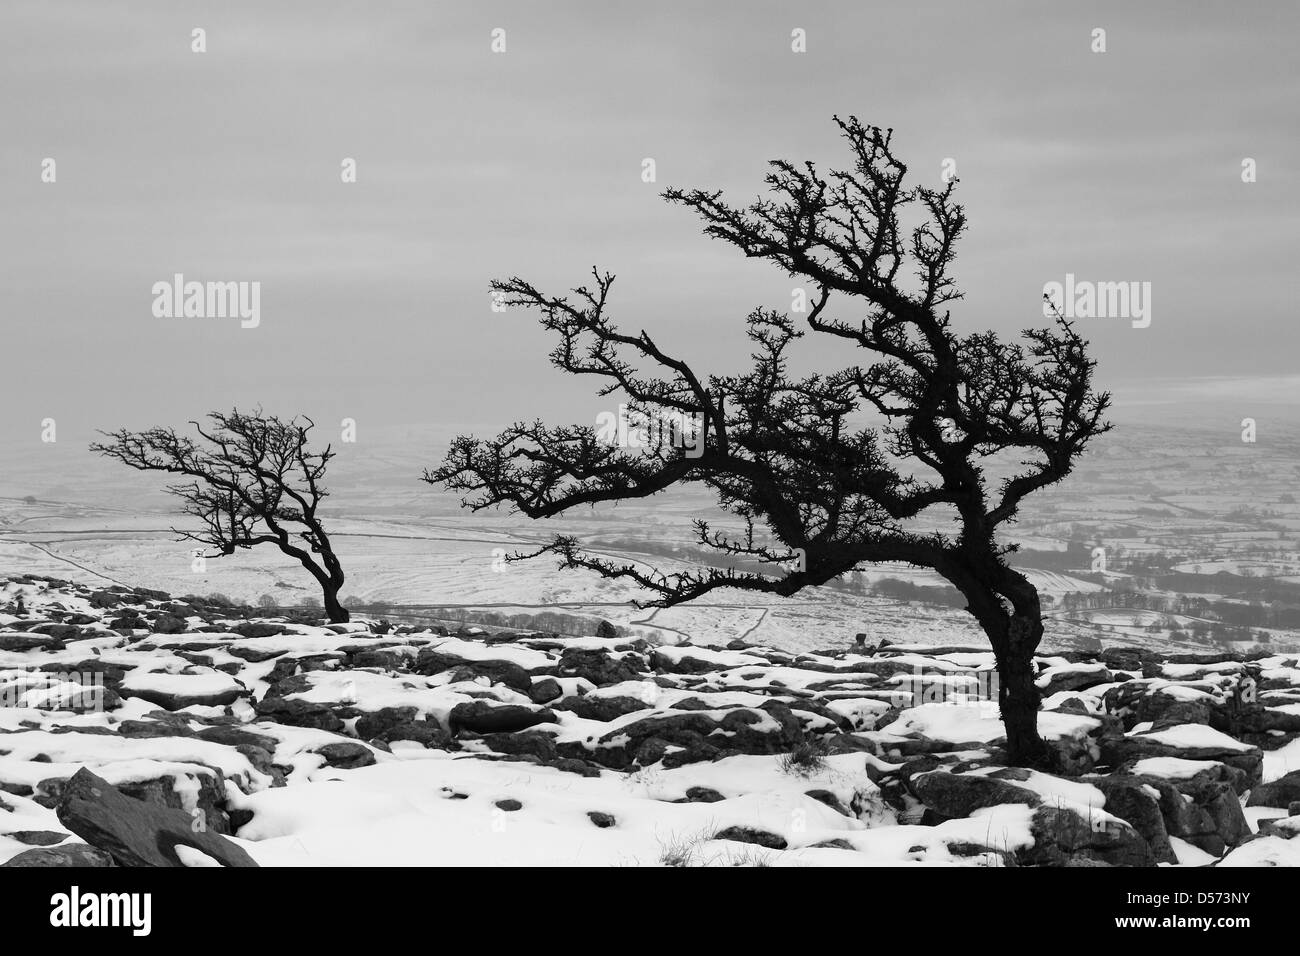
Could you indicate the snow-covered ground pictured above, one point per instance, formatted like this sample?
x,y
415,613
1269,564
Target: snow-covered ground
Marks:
x,y
359,744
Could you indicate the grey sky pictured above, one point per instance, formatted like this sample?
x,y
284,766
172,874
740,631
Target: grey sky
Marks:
x,y
225,166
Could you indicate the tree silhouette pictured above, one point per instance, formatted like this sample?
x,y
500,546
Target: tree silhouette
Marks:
x,y
842,468
254,481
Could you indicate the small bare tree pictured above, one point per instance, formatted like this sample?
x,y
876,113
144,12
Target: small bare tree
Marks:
x,y
860,464
254,481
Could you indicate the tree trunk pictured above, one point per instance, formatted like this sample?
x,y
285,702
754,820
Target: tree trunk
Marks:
x,y
330,578
338,614
1015,637
1018,703
1018,696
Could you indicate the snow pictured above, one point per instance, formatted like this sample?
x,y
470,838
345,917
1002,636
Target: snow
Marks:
x,y
192,857
1173,768
1190,855
1183,692
976,660
1286,826
370,692
182,685
792,677
1264,851
415,806
405,813
1058,791
861,712
723,659
979,723
1183,671
1286,675
1092,702
306,645
1067,670
1257,815
1196,736
525,657
1283,760
95,749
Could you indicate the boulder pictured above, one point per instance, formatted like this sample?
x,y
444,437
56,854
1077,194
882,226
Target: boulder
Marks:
x,y
202,691
237,737
601,667
703,795
836,844
681,664
19,641
1062,837
1281,792
752,835
1285,828
483,717
545,690
169,624
78,855
255,655
573,765
498,672
399,723
539,746
1181,712
1137,802
257,629
1203,810
135,833
387,660
1189,742
375,723
432,660
1073,678
424,732
37,837
207,801
59,632
954,795
346,755
600,708
693,736
298,713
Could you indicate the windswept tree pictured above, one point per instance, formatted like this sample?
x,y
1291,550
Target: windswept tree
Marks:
x,y
882,460
252,480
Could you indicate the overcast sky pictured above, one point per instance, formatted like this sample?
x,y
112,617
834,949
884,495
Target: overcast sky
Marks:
x,y
225,165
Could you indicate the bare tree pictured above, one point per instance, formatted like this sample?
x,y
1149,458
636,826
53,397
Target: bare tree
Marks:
x,y
254,481
857,465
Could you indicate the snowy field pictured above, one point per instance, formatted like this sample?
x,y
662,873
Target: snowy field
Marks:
x,y
276,743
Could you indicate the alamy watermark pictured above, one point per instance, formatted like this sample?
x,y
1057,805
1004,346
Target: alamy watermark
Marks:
x,y
629,428
127,910
1084,299
973,687
81,691
179,299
